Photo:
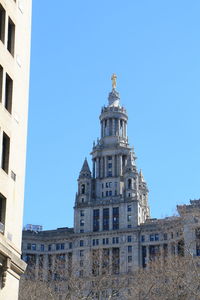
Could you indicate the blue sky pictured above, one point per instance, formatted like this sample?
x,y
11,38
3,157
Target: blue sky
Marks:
x,y
153,47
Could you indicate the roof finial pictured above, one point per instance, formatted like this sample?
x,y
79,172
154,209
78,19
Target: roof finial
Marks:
x,y
114,80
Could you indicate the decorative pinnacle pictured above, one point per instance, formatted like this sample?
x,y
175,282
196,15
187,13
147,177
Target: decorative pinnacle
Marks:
x,y
114,81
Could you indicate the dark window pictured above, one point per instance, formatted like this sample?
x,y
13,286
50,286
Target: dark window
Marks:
x,y
70,245
129,258
151,237
62,246
109,165
49,247
156,237
1,82
2,213
29,246
81,253
57,246
109,173
5,153
129,239
8,93
165,236
2,23
106,219
110,193
11,37
82,222
83,189
82,213
129,249
81,243
129,183
129,208
143,238
106,241
42,247
115,218
96,220
109,157
33,247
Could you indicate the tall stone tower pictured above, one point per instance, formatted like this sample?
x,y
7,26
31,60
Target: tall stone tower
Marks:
x,y
114,196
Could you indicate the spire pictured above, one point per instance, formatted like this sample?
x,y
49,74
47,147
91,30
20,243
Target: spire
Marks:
x,y
113,97
85,170
130,166
141,177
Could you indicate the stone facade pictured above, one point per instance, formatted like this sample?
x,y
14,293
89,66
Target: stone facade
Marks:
x,y
15,29
111,211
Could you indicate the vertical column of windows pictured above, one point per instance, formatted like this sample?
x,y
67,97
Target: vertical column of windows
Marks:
x,y
106,219
8,93
115,218
2,213
96,220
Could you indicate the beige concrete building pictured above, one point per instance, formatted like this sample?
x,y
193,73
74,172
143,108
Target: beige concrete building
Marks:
x,y
15,31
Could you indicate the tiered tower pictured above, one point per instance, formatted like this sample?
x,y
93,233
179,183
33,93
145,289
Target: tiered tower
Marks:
x,y
115,195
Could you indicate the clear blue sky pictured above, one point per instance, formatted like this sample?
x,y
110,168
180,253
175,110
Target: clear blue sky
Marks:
x,y
154,48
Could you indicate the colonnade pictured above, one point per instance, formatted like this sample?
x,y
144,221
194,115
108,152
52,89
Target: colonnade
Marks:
x,y
114,127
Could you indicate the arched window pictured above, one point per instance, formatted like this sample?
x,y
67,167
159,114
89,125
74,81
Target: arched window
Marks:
x,y
129,183
83,189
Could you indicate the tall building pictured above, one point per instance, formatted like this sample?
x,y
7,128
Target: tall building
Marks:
x,y
111,213
15,31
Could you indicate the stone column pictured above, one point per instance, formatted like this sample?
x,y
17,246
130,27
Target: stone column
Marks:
x,y
97,167
113,126
93,168
147,255
45,267
36,266
120,165
110,218
101,128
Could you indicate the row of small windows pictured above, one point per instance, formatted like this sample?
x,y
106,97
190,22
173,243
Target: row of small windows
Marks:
x,y
10,44
105,241
50,247
156,237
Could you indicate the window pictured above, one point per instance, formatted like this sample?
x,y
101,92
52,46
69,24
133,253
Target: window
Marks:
x,y
33,247
81,230
2,23
151,237
109,173
70,245
129,249
129,239
5,153
95,242
129,218
42,247
28,246
11,37
115,240
106,193
106,219
110,193
102,185
129,226
143,238
82,200
49,247
81,253
165,236
115,218
82,213
81,243
106,241
8,93
82,189
1,80
82,222
109,157
156,237
129,258
62,246
57,246
129,183
96,220
109,165
2,212
81,263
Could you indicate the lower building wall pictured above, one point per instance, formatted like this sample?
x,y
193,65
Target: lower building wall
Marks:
x,y
10,291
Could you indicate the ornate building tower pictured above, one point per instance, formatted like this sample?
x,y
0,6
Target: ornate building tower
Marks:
x,y
116,195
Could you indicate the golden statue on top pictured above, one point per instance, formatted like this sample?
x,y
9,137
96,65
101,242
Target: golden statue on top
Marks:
x,y
114,80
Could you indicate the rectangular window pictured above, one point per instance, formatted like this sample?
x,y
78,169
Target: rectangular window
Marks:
x,y
81,243
156,237
81,253
33,247
57,246
106,219
8,93
42,247
129,208
129,239
129,218
151,237
11,37
62,246
115,218
5,153
1,82
70,245
96,220
129,258
109,165
82,213
2,213
165,236
28,246
49,247
106,241
110,193
2,23
129,249
82,222
143,238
